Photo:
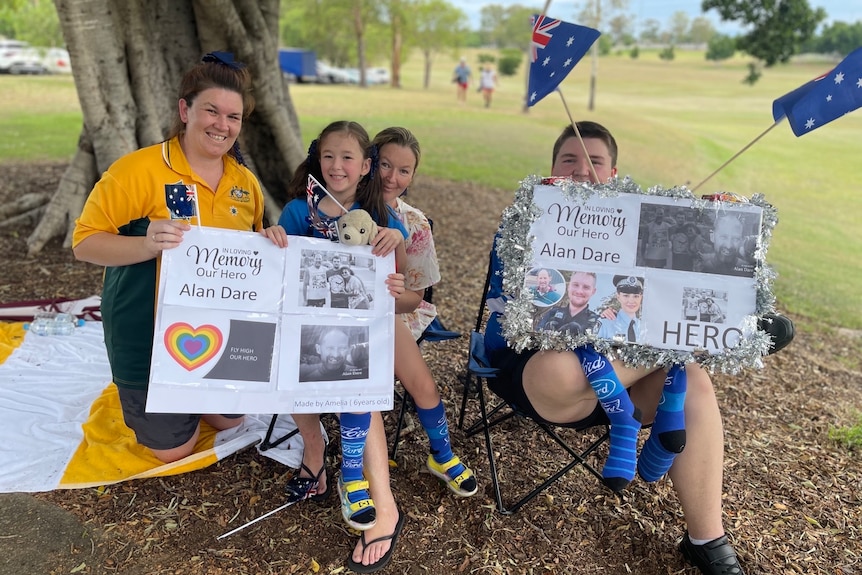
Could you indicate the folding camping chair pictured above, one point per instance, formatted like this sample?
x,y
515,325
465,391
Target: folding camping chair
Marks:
x,y
268,442
435,332
478,372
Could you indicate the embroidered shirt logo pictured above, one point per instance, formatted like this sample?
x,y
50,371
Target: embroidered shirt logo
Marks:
x,y
240,195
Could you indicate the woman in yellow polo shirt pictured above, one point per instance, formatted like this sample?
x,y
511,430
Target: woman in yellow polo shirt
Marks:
x,y
139,207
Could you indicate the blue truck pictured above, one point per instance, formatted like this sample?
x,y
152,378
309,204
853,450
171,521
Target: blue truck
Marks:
x,y
298,63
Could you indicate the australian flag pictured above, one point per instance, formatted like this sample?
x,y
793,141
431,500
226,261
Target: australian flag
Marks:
x,y
823,99
555,48
314,192
181,200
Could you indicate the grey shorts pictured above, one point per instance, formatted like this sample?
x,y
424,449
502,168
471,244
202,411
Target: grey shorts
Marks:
x,y
157,430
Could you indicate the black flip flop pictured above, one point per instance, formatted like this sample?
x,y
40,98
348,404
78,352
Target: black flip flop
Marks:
x,y
383,561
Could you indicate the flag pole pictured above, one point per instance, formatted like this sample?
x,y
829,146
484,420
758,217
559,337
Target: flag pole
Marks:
x,y
331,197
580,139
197,205
739,153
253,521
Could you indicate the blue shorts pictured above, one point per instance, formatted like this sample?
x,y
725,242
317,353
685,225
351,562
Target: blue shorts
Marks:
x,y
509,386
157,430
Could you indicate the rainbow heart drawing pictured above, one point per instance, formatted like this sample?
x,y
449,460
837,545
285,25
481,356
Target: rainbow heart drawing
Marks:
x,y
192,347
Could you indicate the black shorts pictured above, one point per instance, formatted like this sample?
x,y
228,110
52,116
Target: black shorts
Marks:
x,y
157,430
509,386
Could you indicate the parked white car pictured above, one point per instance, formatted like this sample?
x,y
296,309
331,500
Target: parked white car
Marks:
x,y
57,61
327,74
373,76
377,76
26,61
13,54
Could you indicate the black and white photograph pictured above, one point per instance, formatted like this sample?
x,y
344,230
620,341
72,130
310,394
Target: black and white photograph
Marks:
x,y
686,239
733,241
704,305
672,237
333,353
336,280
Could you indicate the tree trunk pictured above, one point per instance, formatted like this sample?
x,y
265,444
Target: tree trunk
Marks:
x,y
397,42
591,104
129,56
426,76
359,28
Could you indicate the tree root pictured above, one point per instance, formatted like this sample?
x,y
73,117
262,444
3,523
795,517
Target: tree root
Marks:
x,y
22,205
25,220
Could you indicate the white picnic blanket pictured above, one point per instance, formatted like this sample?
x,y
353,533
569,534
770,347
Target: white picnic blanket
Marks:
x,y
62,426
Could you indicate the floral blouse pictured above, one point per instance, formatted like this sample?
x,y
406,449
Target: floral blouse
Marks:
x,y
422,270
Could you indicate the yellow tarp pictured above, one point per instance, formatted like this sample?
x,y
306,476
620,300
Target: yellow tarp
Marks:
x,y
109,452
11,336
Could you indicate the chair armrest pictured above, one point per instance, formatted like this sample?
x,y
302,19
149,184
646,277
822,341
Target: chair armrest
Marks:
x,y
479,364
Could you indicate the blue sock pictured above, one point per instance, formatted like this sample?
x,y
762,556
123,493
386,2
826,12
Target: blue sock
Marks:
x,y
434,422
619,469
667,436
354,430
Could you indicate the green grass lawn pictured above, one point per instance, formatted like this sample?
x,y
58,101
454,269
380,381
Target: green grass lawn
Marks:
x,y
676,122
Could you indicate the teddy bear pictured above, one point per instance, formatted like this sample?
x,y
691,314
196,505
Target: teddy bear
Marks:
x,y
356,228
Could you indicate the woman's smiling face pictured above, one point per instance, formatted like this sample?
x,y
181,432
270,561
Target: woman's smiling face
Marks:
x,y
213,121
397,166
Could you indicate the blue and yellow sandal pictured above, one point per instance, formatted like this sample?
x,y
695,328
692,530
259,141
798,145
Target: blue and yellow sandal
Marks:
x,y
463,484
357,508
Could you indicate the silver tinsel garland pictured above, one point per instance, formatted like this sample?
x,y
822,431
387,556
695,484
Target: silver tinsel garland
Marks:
x,y
515,250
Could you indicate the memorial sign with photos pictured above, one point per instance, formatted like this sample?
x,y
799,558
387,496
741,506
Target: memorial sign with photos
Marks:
x,y
243,326
656,276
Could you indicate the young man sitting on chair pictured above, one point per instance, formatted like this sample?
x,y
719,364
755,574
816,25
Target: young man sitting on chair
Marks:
x,y
551,386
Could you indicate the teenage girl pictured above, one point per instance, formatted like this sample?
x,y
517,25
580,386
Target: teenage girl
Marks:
x,y
399,155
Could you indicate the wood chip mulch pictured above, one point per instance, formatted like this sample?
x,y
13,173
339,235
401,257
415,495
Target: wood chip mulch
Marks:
x,y
792,501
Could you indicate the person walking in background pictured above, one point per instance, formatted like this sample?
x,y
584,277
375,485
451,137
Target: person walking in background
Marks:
x,y
461,77
487,83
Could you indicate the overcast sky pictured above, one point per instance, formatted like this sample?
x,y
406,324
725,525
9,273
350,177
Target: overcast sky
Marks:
x,y
661,10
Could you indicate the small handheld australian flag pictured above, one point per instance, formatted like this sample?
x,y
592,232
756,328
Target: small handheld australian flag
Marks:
x,y
182,200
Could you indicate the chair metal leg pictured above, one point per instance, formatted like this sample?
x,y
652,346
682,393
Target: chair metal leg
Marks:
x,y
468,383
577,459
405,400
476,427
492,462
492,417
267,443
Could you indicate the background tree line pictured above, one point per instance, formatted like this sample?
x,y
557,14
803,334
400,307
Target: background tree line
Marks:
x,y
115,43
360,33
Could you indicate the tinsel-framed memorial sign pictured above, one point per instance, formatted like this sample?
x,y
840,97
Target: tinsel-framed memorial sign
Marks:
x,y
669,277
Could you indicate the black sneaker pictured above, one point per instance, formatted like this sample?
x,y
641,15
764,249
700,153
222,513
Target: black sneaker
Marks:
x,y
780,328
716,557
